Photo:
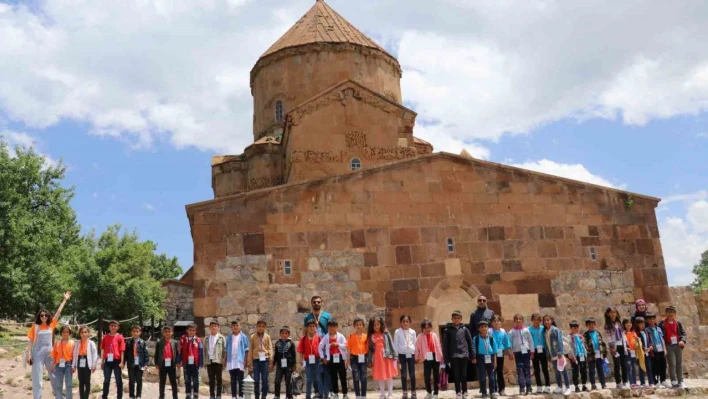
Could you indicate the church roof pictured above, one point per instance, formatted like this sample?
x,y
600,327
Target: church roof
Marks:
x,y
321,24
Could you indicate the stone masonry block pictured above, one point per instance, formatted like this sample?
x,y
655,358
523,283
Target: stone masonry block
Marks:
x,y
358,239
452,267
253,244
405,236
403,255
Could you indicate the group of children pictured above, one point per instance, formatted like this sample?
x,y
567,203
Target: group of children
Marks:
x,y
640,347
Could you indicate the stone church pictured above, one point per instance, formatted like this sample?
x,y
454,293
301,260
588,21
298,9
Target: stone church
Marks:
x,y
336,196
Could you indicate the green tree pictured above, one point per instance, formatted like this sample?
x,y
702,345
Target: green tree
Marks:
x,y
701,272
39,236
122,276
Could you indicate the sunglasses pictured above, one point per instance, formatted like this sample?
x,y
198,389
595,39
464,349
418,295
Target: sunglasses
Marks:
x,y
316,302
43,315
481,300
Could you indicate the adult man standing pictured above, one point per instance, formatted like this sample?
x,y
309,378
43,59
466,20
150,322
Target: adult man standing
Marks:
x,y
481,313
320,317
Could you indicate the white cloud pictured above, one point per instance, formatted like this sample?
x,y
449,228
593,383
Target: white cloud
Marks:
x,y
682,246
697,196
24,140
698,216
149,207
179,71
569,171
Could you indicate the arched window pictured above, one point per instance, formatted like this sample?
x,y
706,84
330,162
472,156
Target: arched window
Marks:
x,y
278,111
355,164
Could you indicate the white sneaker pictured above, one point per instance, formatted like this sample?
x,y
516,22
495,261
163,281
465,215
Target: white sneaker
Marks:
x,y
547,389
566,392
682,385
674,383
667,384
539,390
428,396
558,390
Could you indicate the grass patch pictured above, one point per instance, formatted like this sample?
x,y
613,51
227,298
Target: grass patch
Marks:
x,y
96,388
74,382
13,382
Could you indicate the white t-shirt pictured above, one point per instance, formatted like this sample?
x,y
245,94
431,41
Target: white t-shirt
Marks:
x,y
233,362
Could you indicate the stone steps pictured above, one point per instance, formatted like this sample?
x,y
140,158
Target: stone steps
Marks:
x,y
698,392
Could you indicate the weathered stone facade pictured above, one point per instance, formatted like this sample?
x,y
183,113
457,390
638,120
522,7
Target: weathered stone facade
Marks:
x,y
179,304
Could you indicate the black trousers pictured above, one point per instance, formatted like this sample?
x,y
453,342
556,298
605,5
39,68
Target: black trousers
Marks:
x,y
286,372
620,365
431,366
135,382
236,382
501,384
337,369
540,364
214,372
597,365
658,366
459,373
168,372
84,375
580,370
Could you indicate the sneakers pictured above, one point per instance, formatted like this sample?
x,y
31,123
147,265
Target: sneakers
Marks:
x,y
539,390
494,395
502,392
547,389
413,395
593,387
428,396
619,385
682,385
405,395
634,386
674,384
585,389
666,384
604,386
577,388
566,392
558,390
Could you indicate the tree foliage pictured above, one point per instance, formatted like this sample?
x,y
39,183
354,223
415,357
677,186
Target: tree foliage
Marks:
x,y
42,252
701,272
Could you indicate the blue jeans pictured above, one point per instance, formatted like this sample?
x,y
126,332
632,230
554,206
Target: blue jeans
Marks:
x,y
314,376
359,376
632,367
260,378
643,375
485,371
108,368
566,378
596,365
523,369
191,379
325,382
62,379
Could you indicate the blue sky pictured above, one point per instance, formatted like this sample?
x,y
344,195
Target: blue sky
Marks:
x,y
137,98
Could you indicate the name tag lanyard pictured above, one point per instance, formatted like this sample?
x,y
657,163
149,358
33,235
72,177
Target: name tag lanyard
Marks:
x,y
487,356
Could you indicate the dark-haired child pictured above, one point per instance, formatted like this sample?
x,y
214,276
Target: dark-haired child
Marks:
x,y
645,377
458,350
112,346
675,339
540,360
486,361
657,352
333,352
85,361
284,363
615,337
167,360
597,352
522,347
503,348
308,347
192,358
578,354
214,355
428,350
261,355
553,341
635,355
358,348
63,354
382,355
404,341
237,349
136,360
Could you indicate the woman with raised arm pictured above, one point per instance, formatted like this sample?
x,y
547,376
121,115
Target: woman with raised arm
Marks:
x,y
41,342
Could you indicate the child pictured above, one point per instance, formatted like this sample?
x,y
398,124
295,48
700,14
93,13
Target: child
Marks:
x,y
192,359
284,363
429,351
675,339
358,348
578,356
382,355
308,347
633,345
62,354
237,348
136,359
597,353
214,355
553,345
646,378
166,361
503,347
657,352
486,362
333,351
85,361
261,355
521,346
404,341
458,350
540,360
112,346
613,330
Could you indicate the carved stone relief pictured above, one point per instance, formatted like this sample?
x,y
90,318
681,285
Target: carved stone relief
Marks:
x,y
256,183
355,139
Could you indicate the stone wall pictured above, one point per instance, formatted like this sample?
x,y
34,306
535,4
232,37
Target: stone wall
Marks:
x,y
179,304
690,308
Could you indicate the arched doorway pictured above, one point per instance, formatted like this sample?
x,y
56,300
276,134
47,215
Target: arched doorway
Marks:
x,y
451,294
